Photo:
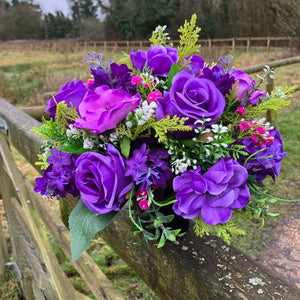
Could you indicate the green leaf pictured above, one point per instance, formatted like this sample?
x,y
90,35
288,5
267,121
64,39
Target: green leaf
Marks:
x,y
125,146
84,224
173,71
73,148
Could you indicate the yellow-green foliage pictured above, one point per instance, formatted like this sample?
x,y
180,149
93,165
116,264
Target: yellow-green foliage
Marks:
x,y
126,60
277,101
188,39
156,38
65,114
224,230
42,162
161,128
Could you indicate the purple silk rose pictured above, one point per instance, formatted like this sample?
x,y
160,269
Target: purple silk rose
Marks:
x,y
191,97
104,108
214,194
101,180
159,59
245,85
73,93
266,162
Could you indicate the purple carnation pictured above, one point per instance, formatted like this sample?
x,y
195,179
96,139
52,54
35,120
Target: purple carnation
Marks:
x,y
101,180
191,97
104,108
59,177
245,87
70,93
149,168
212,195
266,162
159,59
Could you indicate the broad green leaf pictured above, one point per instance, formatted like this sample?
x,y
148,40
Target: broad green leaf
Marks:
x,y
84,224
73,148
125,146
173,71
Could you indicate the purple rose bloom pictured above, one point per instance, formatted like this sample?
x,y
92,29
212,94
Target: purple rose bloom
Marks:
x,y
245,85
195,65
101,180
266,162
191,97
104,108
59,177
159,59
213,195
73,93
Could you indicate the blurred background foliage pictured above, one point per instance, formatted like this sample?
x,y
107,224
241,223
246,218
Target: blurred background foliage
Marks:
x,y
136,19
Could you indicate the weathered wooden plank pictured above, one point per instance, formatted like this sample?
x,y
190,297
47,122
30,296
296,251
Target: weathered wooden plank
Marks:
x,y
26,256
272,64
101,287
60,282
3,253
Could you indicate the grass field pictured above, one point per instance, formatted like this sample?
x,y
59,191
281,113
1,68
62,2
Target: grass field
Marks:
x,y
26,77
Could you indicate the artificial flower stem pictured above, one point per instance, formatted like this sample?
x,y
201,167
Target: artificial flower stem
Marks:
x,y
129,208
270,196
159,204
253,154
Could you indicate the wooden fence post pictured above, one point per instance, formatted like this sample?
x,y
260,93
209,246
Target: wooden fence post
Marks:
x,y
209,45
233,45
248,45
268,44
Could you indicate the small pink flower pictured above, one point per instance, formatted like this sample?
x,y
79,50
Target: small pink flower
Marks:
x,y
254,138
241,110
253,123
141,193
153,96
244,126
136,80
144,204
89,83
269,140
260,130
262,143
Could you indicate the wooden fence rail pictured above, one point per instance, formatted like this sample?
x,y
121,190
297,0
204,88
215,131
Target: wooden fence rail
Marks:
x,y
192,268
241,43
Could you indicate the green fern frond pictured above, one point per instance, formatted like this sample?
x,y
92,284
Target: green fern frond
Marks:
x,y
162,127
49,130
188,39
64,114
224,230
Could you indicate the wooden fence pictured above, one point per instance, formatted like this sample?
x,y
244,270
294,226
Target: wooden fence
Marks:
x,y
192,268
246,43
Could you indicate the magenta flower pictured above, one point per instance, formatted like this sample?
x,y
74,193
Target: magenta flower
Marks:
x,y
212,195
104,108
241,110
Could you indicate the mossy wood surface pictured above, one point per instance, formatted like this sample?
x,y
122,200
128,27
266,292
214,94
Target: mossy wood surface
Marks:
x,y
96,280
193,268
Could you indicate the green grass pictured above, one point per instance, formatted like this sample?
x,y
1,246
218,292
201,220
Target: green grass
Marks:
x,y
24,78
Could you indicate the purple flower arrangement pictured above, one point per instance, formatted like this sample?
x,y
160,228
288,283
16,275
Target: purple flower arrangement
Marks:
x,y
163,129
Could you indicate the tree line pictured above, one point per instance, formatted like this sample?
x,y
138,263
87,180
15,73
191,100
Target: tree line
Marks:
x,y
136,19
